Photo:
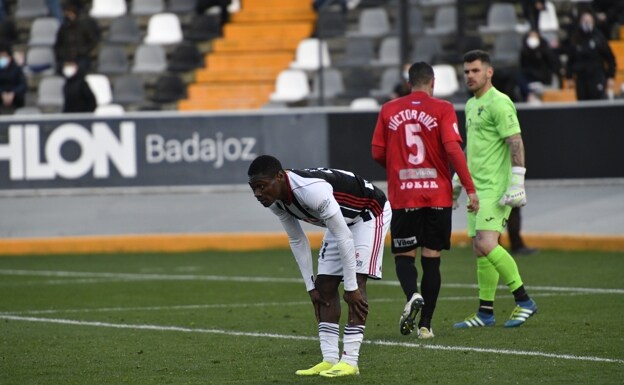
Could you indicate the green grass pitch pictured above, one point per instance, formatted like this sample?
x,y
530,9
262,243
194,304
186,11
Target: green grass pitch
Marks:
x,y
245,318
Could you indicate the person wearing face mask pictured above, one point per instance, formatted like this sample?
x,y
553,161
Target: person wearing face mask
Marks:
x,y
12,81
538,64
75,39
77,94
591,65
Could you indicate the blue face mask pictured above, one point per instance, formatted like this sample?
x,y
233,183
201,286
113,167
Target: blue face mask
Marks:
x,y
4,62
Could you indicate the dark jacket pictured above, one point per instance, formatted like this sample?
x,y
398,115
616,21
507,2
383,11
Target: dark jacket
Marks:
x,y
78,95
12,79
74,40
540,63
589,55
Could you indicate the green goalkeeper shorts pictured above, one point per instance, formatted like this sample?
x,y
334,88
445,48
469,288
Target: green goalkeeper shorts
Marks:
x,y
491,216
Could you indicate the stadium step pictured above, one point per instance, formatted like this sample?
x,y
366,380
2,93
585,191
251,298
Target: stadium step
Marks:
x,y
275,60
277,4
559,96
226,103
260,44
260,30
209,91
236,75
266,15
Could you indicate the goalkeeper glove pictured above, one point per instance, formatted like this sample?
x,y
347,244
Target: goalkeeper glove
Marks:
x,y
515,196
457,187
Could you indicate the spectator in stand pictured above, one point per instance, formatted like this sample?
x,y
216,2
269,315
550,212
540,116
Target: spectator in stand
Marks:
x,y
75,39
591,63
531,10
203,5
538,63
12,81
76,91
609,14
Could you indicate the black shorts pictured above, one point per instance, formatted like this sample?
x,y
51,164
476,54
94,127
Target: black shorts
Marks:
x,y
428,227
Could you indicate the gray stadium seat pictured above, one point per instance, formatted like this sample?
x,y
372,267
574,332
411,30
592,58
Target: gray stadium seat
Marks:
x,y
373,22
43,31
427,49
112,59
444,22
40,60
146,7
30,9
359,51
181,6
124,30
389,52
502,17
389,79
128,89
333,84
506,49
50,92
149,59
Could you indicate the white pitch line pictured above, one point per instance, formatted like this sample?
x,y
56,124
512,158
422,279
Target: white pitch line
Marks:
x,y
235,305
308,338
196,277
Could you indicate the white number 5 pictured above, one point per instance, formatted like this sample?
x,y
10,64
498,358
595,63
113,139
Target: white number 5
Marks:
x,y
413,139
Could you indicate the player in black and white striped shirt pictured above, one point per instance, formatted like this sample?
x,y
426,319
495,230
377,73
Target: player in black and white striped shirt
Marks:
x,y
356,215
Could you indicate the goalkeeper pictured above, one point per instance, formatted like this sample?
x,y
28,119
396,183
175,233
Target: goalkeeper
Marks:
x,y
495,153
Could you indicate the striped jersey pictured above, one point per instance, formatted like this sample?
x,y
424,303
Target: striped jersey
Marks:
x,y
310,192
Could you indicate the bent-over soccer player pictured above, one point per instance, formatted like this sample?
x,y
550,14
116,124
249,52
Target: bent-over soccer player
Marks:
x,y
356,215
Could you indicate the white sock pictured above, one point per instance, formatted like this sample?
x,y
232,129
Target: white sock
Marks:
x,y
352,340
328,336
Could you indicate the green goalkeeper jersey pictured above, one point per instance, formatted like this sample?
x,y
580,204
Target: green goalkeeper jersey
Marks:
x,y
490,119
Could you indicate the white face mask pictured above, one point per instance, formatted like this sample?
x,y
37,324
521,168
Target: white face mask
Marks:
x,y
70,71
4,62
406,76
533,42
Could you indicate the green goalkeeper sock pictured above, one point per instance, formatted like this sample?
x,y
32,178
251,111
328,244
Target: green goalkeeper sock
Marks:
x,y
506,267
487,278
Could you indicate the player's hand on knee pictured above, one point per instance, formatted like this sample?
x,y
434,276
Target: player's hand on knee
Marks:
x,y
515,196
357,304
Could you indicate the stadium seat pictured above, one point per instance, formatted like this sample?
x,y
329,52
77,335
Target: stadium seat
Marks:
x,y
105,9
333,84
390,77
169,89
128,89
364,104
502,17
308,57
101,88
149,59
446,83
109,110
389,52
124,30
359,51
29,110
185,57
181,6
112,59
330,24
146,7
43,31
358,82
164,28
40,60
444,22
506,49
372,22
50,92
427,49
204,27
291,86
30,9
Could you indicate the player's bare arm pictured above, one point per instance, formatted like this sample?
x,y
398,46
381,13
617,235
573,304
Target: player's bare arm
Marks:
x,y
516,147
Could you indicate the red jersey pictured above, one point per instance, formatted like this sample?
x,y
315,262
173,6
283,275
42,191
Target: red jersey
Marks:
x,y
412,131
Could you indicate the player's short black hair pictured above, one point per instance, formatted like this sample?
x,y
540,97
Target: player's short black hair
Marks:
x,y
420,73
265,165
477,54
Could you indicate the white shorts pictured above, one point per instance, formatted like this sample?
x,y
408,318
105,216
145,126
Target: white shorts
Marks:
x,y
369,238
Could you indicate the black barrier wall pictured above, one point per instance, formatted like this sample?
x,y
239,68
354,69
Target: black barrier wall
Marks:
x,y
208,149
153,150
560,142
